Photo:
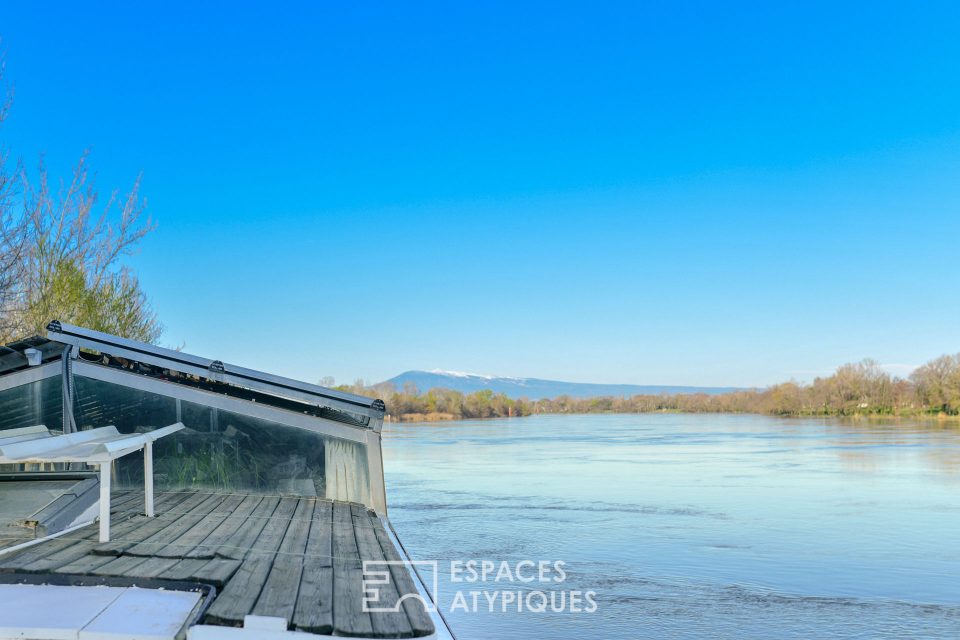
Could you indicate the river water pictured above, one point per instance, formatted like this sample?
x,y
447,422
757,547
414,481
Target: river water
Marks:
x,y
684,526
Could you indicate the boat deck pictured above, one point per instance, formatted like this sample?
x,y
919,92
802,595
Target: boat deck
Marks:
x,y
296,558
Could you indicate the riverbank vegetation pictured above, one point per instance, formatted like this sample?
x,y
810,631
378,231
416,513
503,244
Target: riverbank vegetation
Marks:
x,y
858,389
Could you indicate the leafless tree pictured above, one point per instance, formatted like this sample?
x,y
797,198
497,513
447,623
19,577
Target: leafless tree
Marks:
x,y
12,226
72,262
61,253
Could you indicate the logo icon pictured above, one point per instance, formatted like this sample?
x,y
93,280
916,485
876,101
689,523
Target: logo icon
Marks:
x,y
380,580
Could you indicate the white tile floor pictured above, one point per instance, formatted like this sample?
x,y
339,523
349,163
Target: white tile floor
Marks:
x,y
52,612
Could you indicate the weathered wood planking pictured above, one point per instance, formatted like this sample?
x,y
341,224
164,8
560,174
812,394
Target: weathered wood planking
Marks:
x,y
187,542
349,618
314,608
386,624
279,595
152,545
240,595
128,503
69,547
320,541
75,549
153,567
181,569
225,529
237,546
122,566
154,525
291,557
216,572
416,612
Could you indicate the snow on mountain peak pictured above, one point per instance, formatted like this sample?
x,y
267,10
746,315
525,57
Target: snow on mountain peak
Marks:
x,y
461,374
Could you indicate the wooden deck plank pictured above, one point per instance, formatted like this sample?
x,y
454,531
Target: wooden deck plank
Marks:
x,y
85,564
126,500
122,566
216,572
186,502
74,549
182,569
278,597
314,608
344,542
186,543
270,539
237,546
349,619
134,507
386,624
129,502
320,541
420,620
153,567
153,545
227,528
240,595
18,560
65,549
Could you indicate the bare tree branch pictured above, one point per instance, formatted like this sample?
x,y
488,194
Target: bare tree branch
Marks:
x,y
71,262
60,256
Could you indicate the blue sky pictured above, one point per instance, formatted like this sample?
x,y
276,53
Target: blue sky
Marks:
x,y
679,193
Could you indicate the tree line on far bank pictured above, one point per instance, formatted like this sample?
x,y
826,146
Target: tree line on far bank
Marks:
x,y
857,389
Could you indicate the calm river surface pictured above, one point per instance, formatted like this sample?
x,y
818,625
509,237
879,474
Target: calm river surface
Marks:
x,y
691,526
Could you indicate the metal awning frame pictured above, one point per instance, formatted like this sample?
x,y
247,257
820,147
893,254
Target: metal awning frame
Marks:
x,y
368,409
33,374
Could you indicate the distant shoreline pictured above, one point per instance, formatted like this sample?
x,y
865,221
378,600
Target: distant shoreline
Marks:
x,y
861,389
947,420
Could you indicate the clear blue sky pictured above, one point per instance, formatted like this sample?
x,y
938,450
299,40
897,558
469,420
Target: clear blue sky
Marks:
x,y
688,193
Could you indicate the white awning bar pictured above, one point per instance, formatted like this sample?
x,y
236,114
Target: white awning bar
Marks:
x,y
26,376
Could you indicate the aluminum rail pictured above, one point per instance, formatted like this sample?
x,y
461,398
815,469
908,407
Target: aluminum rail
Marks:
x,y
79,337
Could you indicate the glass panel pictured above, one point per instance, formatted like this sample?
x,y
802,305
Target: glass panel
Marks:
x,y
224,450
39,402
100,404
35,403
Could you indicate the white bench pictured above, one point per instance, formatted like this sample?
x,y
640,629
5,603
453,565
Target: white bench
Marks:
x,y
96,446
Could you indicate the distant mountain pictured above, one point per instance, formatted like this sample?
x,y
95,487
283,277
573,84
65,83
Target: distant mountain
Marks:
x,y
534,388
